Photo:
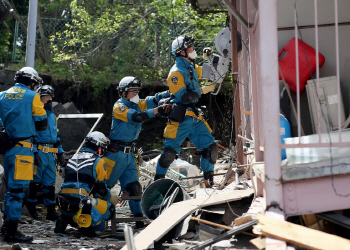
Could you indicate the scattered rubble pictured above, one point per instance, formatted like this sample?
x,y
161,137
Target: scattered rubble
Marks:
x,y
204,219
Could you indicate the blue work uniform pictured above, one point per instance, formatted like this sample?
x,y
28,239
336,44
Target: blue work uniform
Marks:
x,y
122,165
20,109
85,179
47,143
182,79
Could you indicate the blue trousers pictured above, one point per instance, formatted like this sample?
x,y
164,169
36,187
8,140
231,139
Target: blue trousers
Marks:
x,y
197,130
45,174
122,167
18,165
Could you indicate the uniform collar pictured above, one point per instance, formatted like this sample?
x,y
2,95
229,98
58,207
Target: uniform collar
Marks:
x,y
127,103
181,61
21,85
87,150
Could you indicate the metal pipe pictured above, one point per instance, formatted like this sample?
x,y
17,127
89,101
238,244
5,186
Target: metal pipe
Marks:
x,y
31,34
129,237
236,14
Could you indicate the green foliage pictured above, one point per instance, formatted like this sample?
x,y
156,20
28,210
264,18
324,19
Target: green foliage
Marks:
x,y
105,40
128,38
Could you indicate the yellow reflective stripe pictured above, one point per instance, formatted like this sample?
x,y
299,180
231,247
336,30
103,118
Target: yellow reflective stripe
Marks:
x,y
192,114
171,130
143,105
101,206
74,191
110,166
120,112
24,144
38,106
199,71
101,169
175,86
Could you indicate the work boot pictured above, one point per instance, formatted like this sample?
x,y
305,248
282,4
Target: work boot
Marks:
x,y
51,213
61,225
31,206
13,235
209,179
3,227
87,231
159,176
139,224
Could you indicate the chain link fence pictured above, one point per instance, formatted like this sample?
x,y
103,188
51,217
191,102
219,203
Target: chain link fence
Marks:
x,y
158,49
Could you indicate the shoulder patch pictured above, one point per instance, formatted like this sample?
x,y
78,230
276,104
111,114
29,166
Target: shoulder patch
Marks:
x,y
122,108
174,79
105,166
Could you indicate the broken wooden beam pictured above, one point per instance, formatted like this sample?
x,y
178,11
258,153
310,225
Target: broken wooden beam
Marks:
x,y
300,235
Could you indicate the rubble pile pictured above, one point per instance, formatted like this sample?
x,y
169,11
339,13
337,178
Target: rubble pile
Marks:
x,y
202,218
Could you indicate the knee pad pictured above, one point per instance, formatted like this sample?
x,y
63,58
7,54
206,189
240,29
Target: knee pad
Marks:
x,y
49,192
167,157
111,212
34,188
211,153
134,188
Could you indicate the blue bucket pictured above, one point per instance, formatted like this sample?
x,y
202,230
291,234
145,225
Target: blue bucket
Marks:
x,y
285,133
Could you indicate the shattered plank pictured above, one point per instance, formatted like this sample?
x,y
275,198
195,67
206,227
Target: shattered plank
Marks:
x,y
300,235
178,212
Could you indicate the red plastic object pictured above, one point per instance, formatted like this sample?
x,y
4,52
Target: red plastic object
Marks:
x,y
306,56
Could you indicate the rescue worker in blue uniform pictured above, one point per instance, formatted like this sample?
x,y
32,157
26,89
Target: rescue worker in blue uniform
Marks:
x,y
83,198
47,147
185,119
23,114
129,112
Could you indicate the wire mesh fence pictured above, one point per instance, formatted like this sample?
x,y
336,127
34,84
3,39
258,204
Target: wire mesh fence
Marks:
x,y
157,47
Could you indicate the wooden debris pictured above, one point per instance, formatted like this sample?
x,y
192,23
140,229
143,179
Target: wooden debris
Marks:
x,y
300,235
177,212
243,219
211,223
259,243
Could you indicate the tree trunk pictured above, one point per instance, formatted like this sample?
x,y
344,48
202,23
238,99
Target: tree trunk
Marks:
x,y
43,37
24,28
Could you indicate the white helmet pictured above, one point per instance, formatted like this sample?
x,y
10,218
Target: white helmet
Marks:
x,y
129,82
98,139
28,72
181,43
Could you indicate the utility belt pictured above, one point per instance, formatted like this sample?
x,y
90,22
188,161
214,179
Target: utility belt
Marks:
x,y
72,204
126,147
47,148
179,111
192,114
80,191
24,144
7,143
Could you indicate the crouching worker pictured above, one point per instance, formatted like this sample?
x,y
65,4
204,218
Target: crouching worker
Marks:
x,y
83,198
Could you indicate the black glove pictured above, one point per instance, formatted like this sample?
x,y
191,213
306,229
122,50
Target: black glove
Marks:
x,y
37,159
60,160
165,109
